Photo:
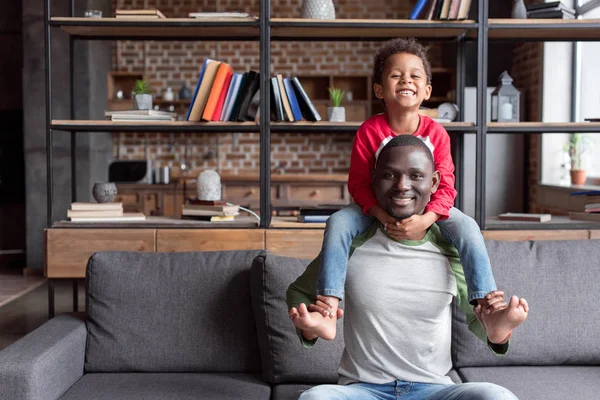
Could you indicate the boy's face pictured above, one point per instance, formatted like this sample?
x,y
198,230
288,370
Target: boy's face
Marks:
x,y
403,180
403,82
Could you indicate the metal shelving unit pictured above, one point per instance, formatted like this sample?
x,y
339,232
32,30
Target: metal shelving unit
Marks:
x,y
264,29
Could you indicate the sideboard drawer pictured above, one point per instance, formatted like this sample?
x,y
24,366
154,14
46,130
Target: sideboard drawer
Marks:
x,y
318,194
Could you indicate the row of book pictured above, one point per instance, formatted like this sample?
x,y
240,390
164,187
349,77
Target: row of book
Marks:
x,y
209,210
101,212
591,206
139,14
320,213
553,9
441,9
140,115
224,95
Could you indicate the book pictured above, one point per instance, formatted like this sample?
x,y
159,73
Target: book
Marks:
x,y
247,81
312,218
417,9
551,15
223,209
239,80
454,7
445,9
94,213
284,99
210,218
221,102
246,97
289,91
542,6
463,10
130,113
318,210
525,217
228,96
276,100
126,217
586,193
139,12
583,216
215,91
226,14
204,90
83,206
208,202
206,61
308,109
253,113
431,10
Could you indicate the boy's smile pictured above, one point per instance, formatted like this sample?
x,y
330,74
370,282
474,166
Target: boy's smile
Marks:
x,y
404,83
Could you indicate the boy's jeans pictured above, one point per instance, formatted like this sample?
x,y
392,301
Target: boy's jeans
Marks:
x,y
409,391
460,230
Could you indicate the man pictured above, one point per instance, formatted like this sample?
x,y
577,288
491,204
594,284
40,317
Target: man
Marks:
x,y
398,297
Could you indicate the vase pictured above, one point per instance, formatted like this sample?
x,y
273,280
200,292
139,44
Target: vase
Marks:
x,y
104,192
318,9
336,114
519,11
142,102
578,176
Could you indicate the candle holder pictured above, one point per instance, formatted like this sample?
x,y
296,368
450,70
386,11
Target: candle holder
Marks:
x,y
505,100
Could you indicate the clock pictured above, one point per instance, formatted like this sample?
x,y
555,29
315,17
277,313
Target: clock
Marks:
x,y
448,111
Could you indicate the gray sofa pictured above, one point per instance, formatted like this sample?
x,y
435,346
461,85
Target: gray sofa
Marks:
x,y
213,325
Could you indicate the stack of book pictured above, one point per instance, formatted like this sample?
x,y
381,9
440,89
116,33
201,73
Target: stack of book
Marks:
x,y
101,212
139,14
441,9
554,9
140,115
318,213
224,95
212,211
591,208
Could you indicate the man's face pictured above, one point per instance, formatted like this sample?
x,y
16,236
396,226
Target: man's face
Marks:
x,y
403,181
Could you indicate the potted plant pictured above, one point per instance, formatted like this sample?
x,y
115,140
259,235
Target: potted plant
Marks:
x,y
142,99
335,113
576,147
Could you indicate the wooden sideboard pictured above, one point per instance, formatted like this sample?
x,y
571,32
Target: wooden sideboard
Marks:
x,y
68,249
287,191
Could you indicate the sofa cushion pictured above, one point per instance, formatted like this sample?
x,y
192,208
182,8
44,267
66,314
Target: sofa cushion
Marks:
x,y
541,383
160,386
284,359
558,279
170,312
289,391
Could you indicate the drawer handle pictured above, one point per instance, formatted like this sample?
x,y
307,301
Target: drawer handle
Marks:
x,y
315,193
250,192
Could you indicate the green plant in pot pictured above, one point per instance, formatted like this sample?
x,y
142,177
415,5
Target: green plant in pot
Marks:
x,y
336,113
142,99
577,145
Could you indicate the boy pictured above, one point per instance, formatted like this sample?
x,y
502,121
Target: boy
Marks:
x,y
402,80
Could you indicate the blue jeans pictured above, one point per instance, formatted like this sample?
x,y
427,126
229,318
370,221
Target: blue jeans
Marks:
x,y
401,390
460,230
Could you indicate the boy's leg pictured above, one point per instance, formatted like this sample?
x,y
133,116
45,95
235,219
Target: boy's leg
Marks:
x,y
464,234
353,391
341,228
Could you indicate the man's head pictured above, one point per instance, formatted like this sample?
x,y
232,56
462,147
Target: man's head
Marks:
x,y
404,176
402,74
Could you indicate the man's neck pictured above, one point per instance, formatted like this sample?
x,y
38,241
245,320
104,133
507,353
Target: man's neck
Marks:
x,y
404,122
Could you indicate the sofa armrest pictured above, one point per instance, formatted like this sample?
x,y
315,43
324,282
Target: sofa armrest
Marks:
x,y
46,362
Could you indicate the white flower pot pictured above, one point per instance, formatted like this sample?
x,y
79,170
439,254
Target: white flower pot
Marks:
x,y
318,9
142,102
336,114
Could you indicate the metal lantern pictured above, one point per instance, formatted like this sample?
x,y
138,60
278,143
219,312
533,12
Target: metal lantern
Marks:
x,y
505,100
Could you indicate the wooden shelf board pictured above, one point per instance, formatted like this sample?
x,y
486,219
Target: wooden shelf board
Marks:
x,y
500,127
285,28
159,28
567,29
164,222
291,222
105,125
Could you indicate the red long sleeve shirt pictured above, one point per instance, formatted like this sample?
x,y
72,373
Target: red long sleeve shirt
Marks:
x,y
373,135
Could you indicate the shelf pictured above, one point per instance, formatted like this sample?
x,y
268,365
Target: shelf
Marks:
x,y
543,127
159,29
163,223
557,222
366,29
349,127
153,126
544,29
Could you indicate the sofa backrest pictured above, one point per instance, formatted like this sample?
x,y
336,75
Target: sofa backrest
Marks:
x,y
559,280
170,312
284,359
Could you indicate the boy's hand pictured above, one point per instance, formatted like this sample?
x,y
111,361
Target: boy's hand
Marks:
x,y
415,226
327,306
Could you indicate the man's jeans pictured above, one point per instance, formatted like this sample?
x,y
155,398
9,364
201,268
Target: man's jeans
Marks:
x,y
400,390
460,230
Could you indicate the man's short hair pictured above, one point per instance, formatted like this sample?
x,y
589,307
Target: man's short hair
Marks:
x,y
407,140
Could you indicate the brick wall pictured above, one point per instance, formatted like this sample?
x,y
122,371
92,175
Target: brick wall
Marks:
x,y
171,63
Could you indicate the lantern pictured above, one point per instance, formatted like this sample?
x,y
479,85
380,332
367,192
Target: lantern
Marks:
x,y
505,100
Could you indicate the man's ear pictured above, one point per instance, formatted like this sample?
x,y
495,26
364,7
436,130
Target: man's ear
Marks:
x,y
427,92
435,181
378,89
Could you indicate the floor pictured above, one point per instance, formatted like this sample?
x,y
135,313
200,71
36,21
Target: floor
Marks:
x,y
26,313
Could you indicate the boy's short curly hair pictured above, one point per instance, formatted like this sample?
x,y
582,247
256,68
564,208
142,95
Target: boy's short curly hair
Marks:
x,y
400,45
